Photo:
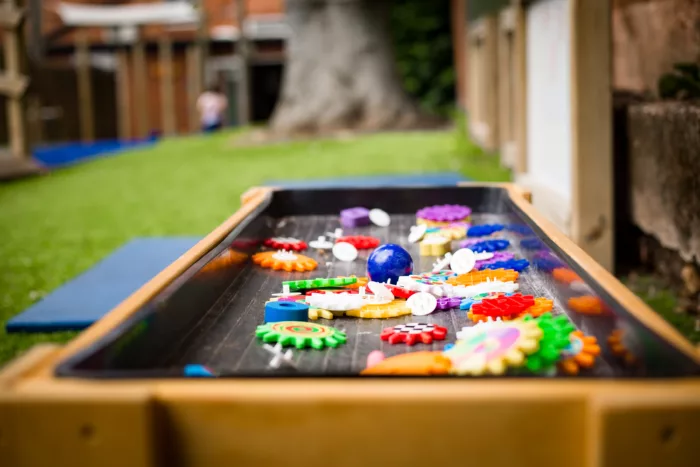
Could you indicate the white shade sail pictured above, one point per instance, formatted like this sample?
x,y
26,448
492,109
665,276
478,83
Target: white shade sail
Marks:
x,y
127,15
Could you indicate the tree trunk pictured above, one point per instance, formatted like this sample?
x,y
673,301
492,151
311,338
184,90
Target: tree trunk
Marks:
x,y
340,71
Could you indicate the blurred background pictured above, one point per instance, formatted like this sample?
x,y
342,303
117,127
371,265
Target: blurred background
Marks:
x,y
126,119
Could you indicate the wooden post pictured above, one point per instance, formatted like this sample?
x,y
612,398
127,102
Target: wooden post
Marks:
x,y
506,85
243,51
140,80
520,75
123,96
193,87
13,83
34,122
165,52
86,110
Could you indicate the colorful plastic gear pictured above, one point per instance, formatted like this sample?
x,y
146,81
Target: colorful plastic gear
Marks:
x,y
494,348
443,214
360,282
435,245
361,242
532,244
470,291
388,310
477,277
300,334
547,261
447,303
580,353
285,243
565,276
505,305
542,305
586,305
519,229
229,257
411,364
316,313
515,264
618,347
320,283
336,302
284,260
343,290
452,231
492,245
497,256
413,333
399,292
484,230
467,303
555,338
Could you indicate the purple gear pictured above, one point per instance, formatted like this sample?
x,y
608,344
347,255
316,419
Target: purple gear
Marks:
x,y
444,213
497,256
354,217
447,303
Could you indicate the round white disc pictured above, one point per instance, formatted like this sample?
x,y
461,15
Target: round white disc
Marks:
x,y
421,303
380,291
483,255
462,261
344,251
379,217
417,233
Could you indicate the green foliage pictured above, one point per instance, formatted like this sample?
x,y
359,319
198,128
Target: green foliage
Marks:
x,y
682,83
423,48
476,163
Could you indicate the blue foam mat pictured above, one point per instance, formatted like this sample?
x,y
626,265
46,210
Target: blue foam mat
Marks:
x,y
82,301
430,178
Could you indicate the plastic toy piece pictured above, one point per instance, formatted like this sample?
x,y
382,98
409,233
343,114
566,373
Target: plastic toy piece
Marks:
x,y
442,263
467,303
484,287
361,242
565,276
319,283
417,233
451,231
495,257
422,304
466,330
580,353
463,261
361,282
389,262
411,364
329,291
494,348
227,258
286,311
515,264
344,252
379,218
389,310
300,334
519,229
586,305
335,234
506,305
413,333
285,243
336,302
477,277
443,214
316,313
542,305
546,261
532,244
618,347
555,338
483,230
321,243
435,245
284,260
492,245
381,291
354,217
279,357
399,292
374,358
198,371
447,303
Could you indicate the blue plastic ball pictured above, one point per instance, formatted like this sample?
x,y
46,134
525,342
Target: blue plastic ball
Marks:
x,y
389,261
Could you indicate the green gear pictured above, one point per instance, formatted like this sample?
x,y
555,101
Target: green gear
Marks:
x,y
556,332
320,283
300,334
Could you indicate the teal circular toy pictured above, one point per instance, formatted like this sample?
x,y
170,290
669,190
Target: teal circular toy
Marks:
x,y
286,311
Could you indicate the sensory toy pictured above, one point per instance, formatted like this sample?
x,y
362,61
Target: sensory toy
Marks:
x,y
321,243
565,275
492,245
379,218
300,334
360,282
488,286
389,310
447,303
354,217
336,302
284,260
422,303
555,338
319,283
361,242
435,245
344,252
505,305
389,262
542,305
443,214
586,305
519,229
413,333
283,310
411,364
463,261
477,277
580,353
494,348
532,244
546,261
494,258
285,243
316,313
417,233
442,263
483,230
515,264
400,292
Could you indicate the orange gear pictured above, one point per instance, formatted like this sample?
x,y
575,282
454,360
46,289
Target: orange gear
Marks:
x,y
412,363
387,310
586,305
618,347
542,305
361,282
477,277
228,257
284,260
565,275
581,353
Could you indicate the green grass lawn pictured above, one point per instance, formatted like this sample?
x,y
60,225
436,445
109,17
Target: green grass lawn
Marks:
x,y
55,227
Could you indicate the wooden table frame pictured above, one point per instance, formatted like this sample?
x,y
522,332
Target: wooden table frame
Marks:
x,y
45,420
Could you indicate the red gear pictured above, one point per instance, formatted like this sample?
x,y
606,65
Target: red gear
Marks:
x,y
399,292
361,242
285,243
503,305
412,333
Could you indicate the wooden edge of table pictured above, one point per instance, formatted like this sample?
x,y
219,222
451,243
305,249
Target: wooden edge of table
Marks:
x,y
251,199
